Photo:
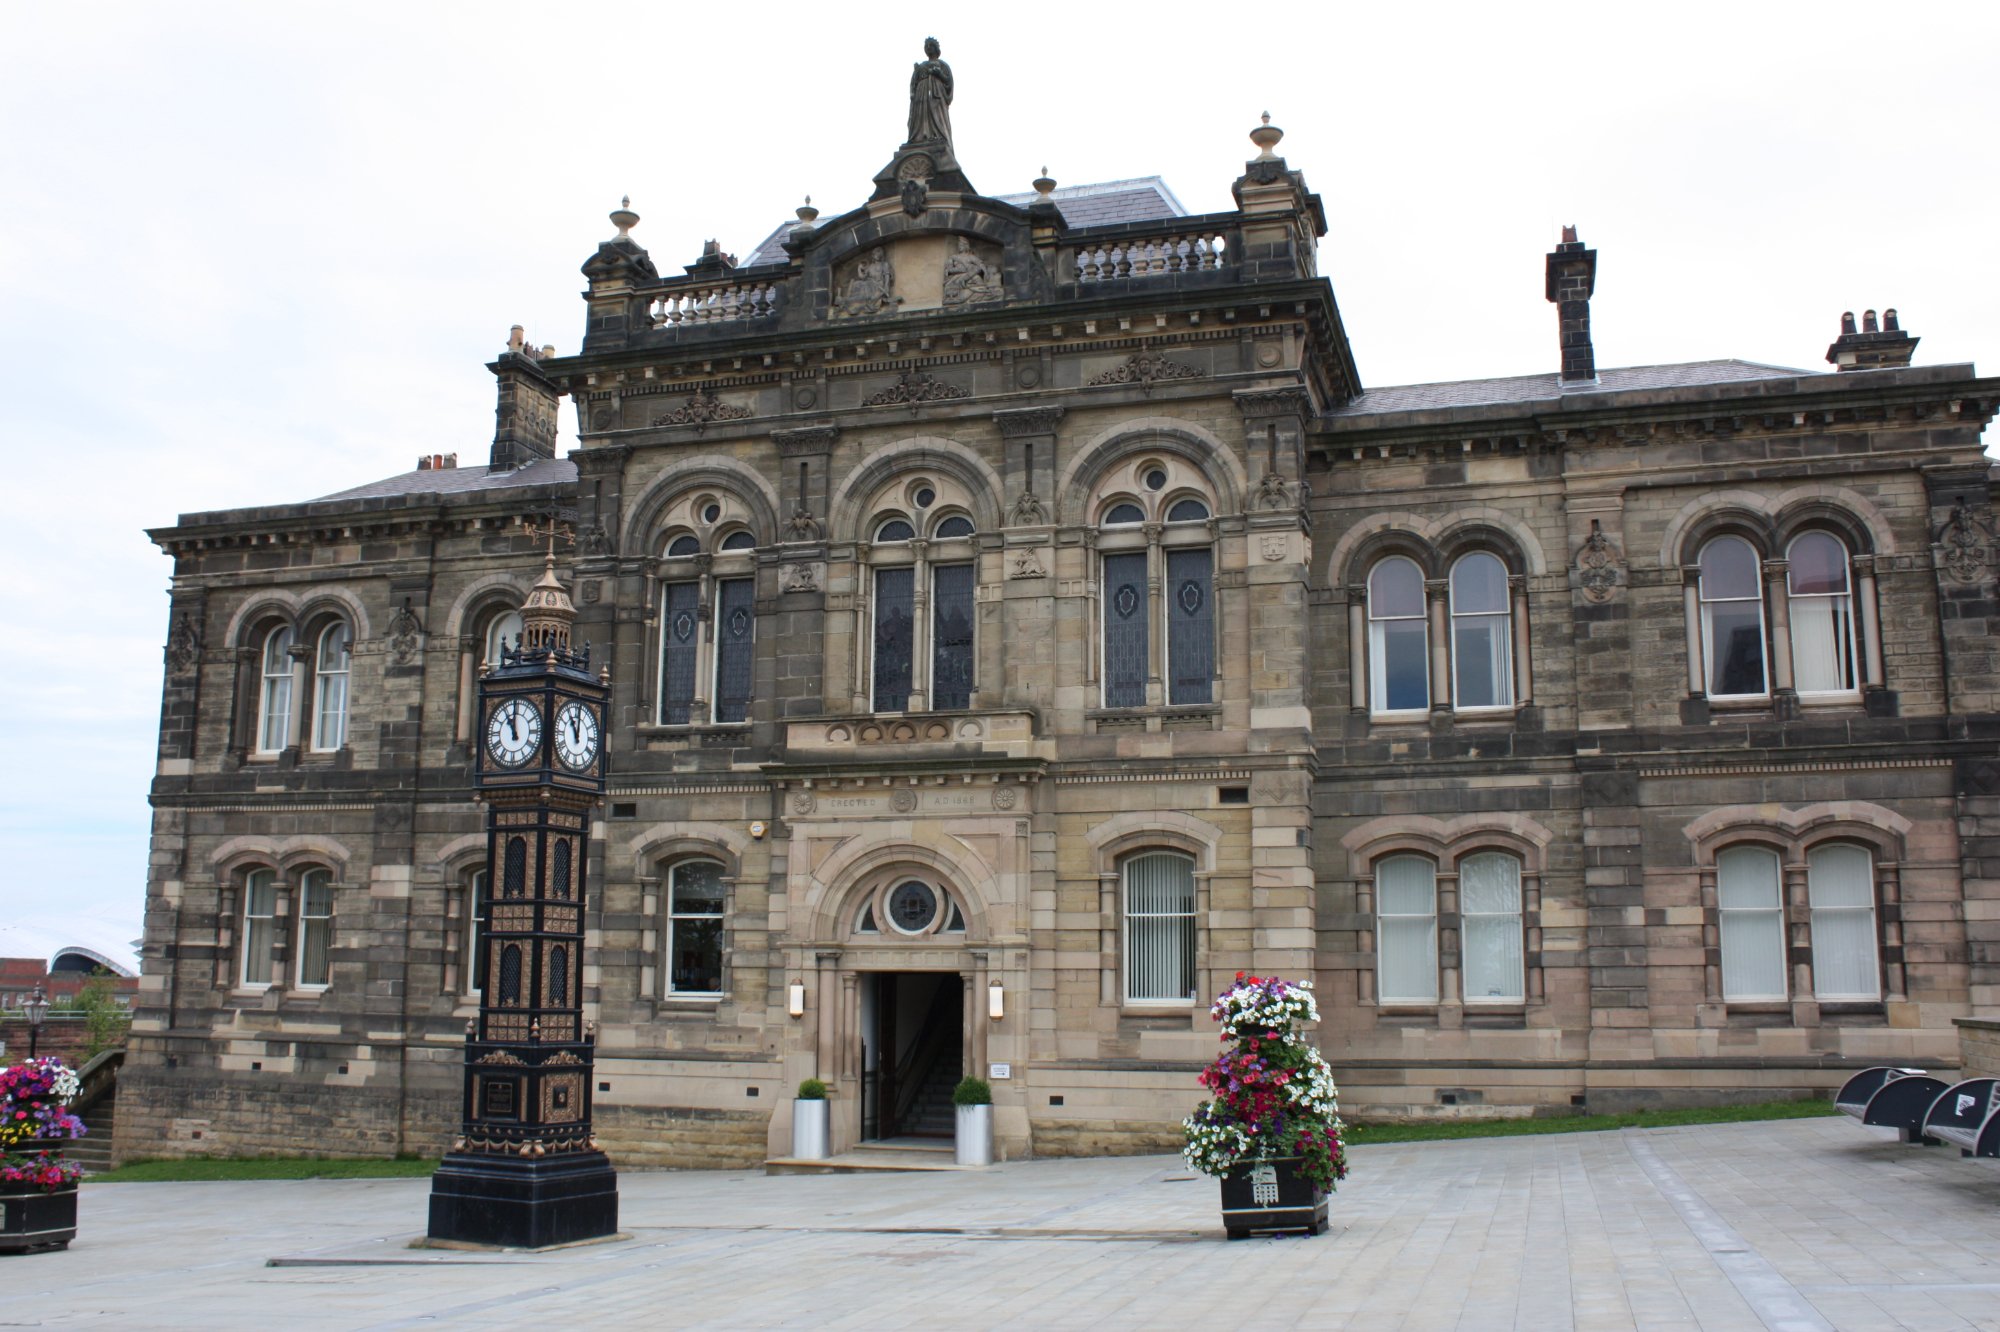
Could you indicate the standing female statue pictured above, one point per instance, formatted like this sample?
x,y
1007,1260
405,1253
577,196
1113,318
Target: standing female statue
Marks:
x,y
930,97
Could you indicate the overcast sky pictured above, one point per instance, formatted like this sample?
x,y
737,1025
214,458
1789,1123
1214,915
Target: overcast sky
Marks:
x,y
260,252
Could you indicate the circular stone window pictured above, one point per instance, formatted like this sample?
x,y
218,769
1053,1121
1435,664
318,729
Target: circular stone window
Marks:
x,y
711,512
913,906
925,497
1156,478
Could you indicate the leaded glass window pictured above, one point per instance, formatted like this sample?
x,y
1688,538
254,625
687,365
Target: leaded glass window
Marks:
x,y
558,977
515,878
680,641
1122,514
957,525
510,976
895,632
1732,618
1187,511
735,635
1190,625
315,927
559,868
1159,927
694,928
1125,630
951,636
739,541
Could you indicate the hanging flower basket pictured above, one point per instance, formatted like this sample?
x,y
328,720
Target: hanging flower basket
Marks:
x,y
1271,1132
37,1184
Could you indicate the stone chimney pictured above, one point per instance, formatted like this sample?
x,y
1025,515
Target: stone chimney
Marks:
x,y
1570,280
1883,347
524,421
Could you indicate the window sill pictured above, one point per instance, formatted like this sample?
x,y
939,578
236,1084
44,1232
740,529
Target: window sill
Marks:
x,y
693,1001
1143,1008
1155,710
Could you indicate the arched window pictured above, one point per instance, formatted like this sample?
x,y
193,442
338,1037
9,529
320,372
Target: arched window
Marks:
x,y
739,541
957,525
1398,648
1190,615
558,977
1406,916
330,687
1840,878
315,927
1159,927
1822,613
680,648
1749,898
1122,514
1482,633
683,547
695,894
260,927
510,976
503,631
559,869
274,699
1489,903
514,880
1187,511
1732,619
895,530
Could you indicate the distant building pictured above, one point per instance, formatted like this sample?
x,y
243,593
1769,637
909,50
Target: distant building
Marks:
x,y
1021,619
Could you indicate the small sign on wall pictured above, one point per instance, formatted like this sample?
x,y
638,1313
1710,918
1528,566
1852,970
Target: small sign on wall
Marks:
x,y
999,1072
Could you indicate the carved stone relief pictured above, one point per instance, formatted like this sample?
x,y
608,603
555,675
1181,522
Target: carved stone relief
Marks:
x,y
1146,368
870,287
913,388
405,635
1597,564
183,646
1963,544
968,278
700,409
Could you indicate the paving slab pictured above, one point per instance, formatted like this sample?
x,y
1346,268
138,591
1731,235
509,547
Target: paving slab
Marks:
x,y
1795,1224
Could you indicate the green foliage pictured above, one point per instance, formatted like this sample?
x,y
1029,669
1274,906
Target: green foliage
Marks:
x,y
1362,1135
972,1091
812,1089
104,1017
208,1168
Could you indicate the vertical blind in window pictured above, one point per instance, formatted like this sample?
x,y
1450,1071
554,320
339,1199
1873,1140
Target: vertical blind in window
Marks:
x,y
1841,882
274,703
260,922
1749,893
315,926
1125,630
1398,656
680,639
895,628
1482,639
1822,613
1190,625
1406,904
330,674
1159,927
694,928
1732,618
735,634
1489,902
951,636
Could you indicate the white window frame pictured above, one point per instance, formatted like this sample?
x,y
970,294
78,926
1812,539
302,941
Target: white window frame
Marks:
x,y
1708,619
721,917
1191,942
274,691
477,925
1850,636
308,922
1734,919
1814,882
253,919
330,710
1382,915
1378,641
1505,615
1518,918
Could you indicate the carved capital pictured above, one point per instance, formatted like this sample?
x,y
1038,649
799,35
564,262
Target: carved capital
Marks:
x,y
1025,421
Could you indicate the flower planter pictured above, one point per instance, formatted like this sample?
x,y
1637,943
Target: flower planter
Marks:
x,y
1271,1196
34,1218
809,1130
973,1144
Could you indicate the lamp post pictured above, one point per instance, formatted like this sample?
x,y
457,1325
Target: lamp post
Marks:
x,y
37,1008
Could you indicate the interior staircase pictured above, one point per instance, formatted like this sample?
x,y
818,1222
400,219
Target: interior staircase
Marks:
x,y
930,1113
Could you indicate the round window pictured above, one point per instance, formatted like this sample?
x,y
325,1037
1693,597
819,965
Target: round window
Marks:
x,y
1156,478
925,497
711,513
913,906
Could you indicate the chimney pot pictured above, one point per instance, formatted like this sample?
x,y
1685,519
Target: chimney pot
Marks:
x,y
1868,322
1889,322
1847,329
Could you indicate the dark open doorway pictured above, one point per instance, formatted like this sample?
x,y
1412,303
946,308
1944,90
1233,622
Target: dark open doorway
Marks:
x,y
912,1053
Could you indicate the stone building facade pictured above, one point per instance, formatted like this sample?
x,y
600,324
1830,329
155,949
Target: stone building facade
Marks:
x,y
1020,620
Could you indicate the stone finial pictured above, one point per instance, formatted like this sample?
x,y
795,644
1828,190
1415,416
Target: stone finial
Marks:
x,y
1266,137
624,219
517,339
807,213
1045,184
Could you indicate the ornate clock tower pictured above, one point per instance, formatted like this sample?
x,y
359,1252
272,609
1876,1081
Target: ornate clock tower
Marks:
x,y
526,1171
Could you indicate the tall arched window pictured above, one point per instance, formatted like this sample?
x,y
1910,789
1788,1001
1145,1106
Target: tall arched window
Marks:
x,y
695,897
510,976
1489,902
260,927
1732,619
1749,896
274,699
559,869
1159,927
1822,613
315,927
330,687
558,977
1406,948
514,879
504,631
1840,878
1482,634
1398,650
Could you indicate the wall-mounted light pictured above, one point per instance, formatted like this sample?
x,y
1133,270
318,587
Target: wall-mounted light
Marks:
x,y
996,1001
795,999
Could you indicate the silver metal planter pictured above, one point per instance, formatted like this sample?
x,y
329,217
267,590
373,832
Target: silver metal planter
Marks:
x,y
974,1143
809,1131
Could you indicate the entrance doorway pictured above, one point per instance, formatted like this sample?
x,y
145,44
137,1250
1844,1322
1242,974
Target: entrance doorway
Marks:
x,y
912,1053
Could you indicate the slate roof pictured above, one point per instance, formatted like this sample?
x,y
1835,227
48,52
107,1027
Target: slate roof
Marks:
x,y
458,480
1108,203
1523,389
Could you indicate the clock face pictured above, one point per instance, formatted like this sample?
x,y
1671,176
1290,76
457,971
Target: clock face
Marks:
x,y
912,906
514,732
576,735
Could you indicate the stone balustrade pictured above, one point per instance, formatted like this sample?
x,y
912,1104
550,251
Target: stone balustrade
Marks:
x,y
712,303
1149,256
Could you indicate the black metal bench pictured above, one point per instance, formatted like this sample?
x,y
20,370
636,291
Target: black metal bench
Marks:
x,y
1890,1098
1968,1117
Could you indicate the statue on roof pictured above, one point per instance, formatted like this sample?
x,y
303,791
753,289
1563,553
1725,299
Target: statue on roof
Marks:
x,y
930,98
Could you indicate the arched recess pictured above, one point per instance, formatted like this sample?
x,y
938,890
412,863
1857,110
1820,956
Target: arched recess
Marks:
x,y
461,854
1164,434
1136,829
848,512
1377,535
1742,511
268,605
641,530
481,596
674,841
333,602
1856,517
1790,831
282,853
845,878
1446,840
1483,528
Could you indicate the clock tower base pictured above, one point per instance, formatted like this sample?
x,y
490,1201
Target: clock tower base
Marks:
x,y
524,1203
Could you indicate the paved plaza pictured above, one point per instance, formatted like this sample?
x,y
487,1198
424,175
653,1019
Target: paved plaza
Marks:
x,y
1791,1224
